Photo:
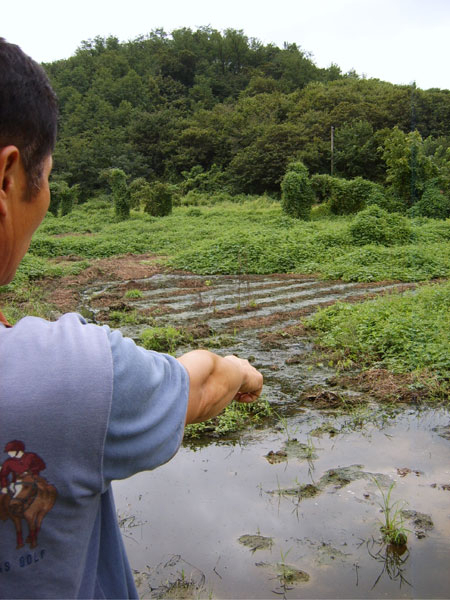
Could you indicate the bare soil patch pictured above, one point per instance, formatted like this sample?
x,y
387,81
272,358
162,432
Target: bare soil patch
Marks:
x,y
64,293
386,386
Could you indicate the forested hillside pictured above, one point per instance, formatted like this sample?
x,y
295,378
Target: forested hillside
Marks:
x,y
217,110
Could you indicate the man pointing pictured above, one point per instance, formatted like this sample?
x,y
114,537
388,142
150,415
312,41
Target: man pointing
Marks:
x,y
89,402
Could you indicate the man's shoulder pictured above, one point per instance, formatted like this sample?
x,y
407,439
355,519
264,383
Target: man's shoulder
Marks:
x,y
68,327
70,319
67,341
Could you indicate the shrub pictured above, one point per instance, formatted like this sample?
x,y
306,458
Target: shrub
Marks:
x,y
351,195
434,203
320,211
117,179
205,181
376,226
341,201
54,198
62,198
139,191
159,201
387,200
322,186
297,195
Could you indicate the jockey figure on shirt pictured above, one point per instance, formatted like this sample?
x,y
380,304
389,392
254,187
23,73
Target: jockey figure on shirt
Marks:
x,y
18,463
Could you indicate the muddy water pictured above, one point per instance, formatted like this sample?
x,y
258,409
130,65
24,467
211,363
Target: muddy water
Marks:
x,y
288,510
195,509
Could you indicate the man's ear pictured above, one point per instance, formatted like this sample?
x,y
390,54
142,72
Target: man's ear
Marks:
x,y
9,175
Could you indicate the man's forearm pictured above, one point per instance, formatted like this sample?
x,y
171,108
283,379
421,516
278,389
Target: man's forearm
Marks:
x,y
215,381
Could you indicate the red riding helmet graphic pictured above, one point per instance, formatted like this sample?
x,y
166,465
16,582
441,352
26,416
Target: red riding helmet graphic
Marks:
x,y
15,446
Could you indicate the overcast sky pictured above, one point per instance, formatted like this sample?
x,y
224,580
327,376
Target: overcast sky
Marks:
x,y
394,40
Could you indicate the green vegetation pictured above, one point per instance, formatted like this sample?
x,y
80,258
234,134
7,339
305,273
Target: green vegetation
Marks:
x,y
63,198
374,225
433,203
403,333
297,195
34,268
408,168
252,237
234,418
159,201
117,179
133,294
183,145
210,111
393,530
118,318
348,196
163,339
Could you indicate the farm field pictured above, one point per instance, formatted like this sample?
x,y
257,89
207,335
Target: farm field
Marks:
x,y
285,499
289,505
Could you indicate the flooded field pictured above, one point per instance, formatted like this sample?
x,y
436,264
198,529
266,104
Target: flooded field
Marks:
x,y
292,509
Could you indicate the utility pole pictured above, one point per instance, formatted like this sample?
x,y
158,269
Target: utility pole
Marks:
x,y
332,150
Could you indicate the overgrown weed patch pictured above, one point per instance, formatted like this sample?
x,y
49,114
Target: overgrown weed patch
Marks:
x,y
255,237
245,237
408,333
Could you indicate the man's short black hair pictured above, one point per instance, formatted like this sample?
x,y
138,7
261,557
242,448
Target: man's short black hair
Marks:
x,y
28,110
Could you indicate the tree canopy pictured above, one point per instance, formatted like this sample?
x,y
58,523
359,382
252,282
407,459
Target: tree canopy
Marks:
x,y
160,105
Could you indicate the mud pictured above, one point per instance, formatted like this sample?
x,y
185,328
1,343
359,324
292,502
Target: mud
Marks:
x,y
336,478
288,575
421,522
256,542
175,578
292,449
385,386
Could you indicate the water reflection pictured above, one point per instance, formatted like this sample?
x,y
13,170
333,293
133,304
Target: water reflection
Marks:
x,y
393,560
198,507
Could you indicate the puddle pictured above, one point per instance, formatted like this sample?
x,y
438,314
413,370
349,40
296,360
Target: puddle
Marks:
x,y
204,504
292,510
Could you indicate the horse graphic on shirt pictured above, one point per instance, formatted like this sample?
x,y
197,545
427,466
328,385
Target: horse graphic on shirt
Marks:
x,y
24,493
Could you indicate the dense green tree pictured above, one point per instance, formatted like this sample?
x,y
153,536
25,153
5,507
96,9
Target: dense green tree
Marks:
x,y
297,195
349,196
117,179
431,112
356,151
408,168
259,167
159,198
